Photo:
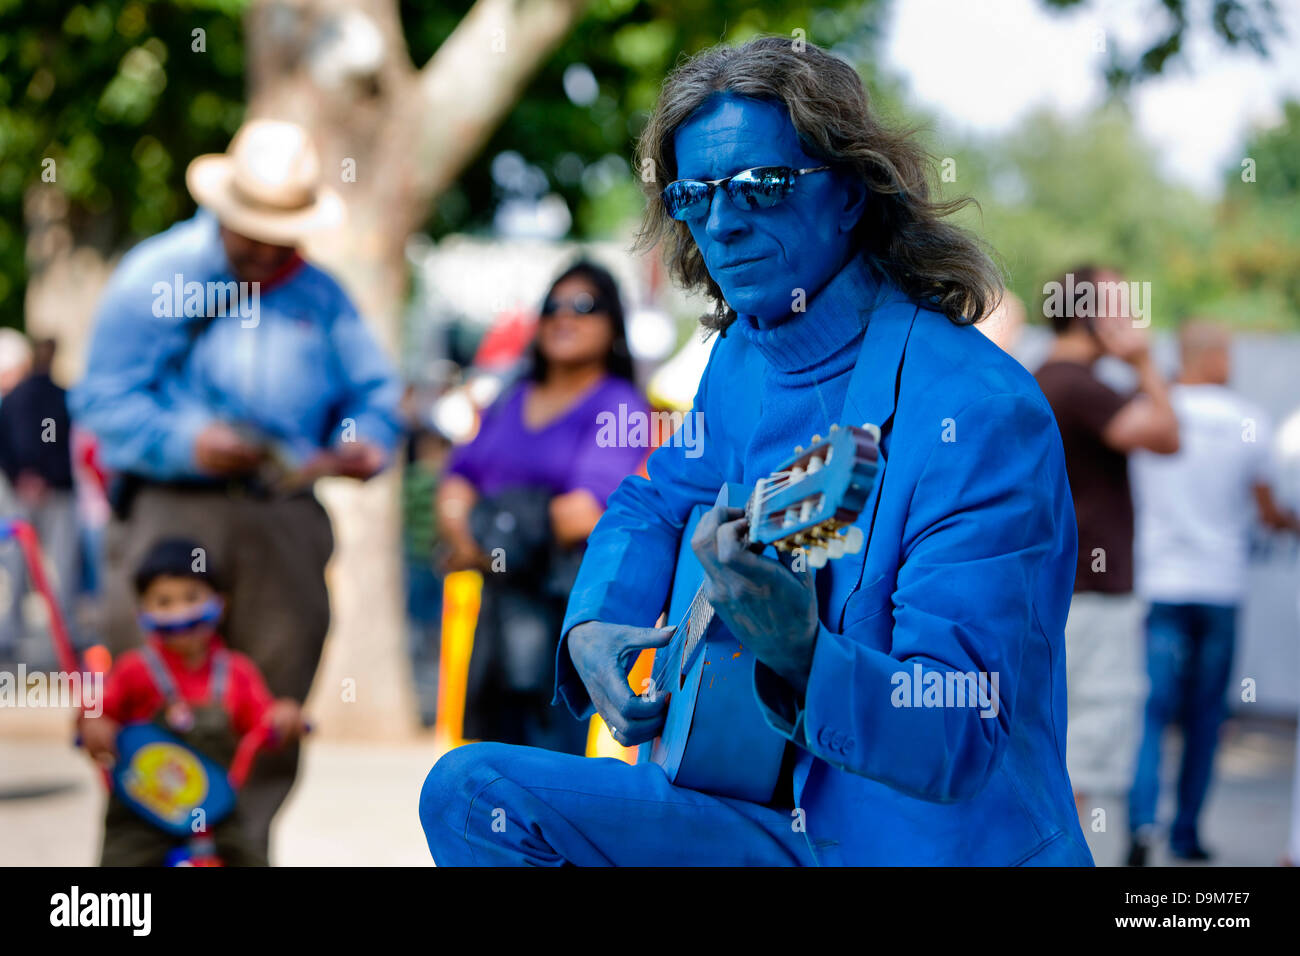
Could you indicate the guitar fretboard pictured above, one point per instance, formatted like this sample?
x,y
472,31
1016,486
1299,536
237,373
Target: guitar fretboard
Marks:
x,y
698,618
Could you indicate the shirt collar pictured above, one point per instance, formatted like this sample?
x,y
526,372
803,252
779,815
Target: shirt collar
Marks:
x,y
213,238
284,273
834,318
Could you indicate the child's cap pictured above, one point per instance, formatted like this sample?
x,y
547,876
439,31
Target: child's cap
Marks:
x,y
177,558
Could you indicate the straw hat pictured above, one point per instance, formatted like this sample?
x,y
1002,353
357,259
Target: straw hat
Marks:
x,y
267,184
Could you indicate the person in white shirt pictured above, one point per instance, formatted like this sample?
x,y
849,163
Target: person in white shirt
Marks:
x,y
1194,512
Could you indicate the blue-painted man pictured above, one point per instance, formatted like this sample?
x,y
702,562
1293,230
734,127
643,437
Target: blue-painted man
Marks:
x,y
843,296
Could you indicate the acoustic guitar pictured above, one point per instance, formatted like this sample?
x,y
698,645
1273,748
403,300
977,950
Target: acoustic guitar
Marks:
x,y
715,738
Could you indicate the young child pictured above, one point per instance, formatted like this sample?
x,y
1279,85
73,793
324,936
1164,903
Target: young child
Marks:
x,y
186,680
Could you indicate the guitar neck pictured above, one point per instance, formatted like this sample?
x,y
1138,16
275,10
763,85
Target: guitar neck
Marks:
x,y
699,615
698,618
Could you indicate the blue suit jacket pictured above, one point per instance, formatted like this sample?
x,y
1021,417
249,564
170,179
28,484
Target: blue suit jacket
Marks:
x,y
968,568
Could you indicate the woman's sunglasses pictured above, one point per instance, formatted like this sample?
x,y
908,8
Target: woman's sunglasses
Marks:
x,y
759,188
581,304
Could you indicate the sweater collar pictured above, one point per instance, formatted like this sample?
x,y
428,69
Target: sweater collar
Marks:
x,y
834,318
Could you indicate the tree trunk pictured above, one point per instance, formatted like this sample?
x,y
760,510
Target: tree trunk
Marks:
x,y
391,139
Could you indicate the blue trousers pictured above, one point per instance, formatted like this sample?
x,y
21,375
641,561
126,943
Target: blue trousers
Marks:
x,y
1189,662
494,804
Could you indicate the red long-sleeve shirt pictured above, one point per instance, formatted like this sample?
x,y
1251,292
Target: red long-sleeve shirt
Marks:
x,y
130,693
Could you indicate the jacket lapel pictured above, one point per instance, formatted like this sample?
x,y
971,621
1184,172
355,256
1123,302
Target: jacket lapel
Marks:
x,y
873,387
872,394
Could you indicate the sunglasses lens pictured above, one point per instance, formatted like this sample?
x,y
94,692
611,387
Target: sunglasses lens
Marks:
x,y
687,199
761,188
584,303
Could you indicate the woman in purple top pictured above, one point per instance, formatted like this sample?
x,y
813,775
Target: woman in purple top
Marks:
x,y
519,501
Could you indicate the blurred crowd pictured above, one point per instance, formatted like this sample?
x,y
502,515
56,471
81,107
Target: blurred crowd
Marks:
x,y
1170,475
201,432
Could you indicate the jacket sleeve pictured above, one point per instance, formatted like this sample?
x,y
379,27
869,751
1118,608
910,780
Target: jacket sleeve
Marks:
x,y
120,398
980,525
369,406
631,554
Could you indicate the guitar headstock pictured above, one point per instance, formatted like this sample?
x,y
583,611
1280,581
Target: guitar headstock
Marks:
x,y
813,500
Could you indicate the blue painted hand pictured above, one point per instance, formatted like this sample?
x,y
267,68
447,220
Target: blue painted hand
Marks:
x,y
603,655
767,607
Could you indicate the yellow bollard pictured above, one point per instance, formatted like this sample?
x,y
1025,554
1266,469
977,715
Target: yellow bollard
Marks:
x,y
461,594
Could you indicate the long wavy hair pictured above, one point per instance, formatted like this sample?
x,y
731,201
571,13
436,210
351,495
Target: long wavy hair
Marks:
x,y
903,228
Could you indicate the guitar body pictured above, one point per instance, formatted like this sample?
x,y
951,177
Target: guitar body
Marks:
x,y
715,738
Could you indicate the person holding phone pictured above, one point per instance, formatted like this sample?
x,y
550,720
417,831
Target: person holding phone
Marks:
x,y
1105,667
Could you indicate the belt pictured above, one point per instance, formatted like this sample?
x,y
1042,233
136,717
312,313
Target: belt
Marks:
x,y
250,487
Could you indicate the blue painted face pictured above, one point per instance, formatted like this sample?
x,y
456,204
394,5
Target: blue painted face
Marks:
x,y
760,257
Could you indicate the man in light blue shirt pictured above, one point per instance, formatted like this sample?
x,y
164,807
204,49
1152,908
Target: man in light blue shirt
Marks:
x,y
224,376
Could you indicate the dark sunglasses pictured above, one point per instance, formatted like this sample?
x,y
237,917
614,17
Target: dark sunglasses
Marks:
x,y
759,188
581,304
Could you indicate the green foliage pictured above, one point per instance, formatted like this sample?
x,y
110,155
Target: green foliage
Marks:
x,y
585,149
1257,241
1056,195
115,94
1234,23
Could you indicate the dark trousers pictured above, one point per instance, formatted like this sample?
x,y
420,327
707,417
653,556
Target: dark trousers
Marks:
x,y
271,556
1189,662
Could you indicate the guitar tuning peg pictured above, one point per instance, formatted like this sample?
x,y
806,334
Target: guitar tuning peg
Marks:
x,y
817,556
835,428
798,449
853,540
835,546
816,439
872,430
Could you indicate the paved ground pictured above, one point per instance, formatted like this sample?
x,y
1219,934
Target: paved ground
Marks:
x,y
356,803
1247,818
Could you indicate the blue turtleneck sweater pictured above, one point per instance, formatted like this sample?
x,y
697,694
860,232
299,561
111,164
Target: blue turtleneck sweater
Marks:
x,y
809,357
